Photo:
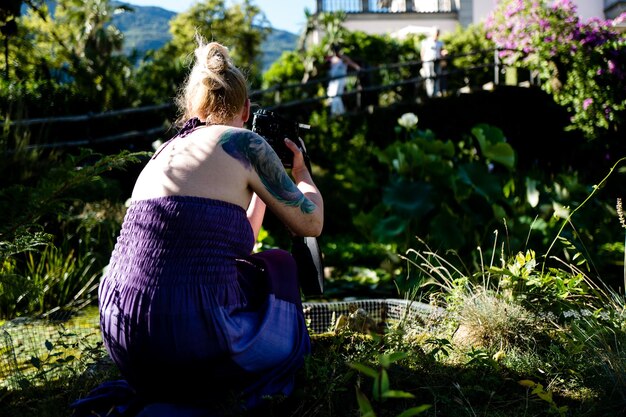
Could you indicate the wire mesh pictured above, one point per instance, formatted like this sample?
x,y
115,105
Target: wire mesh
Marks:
x,y
322,316
36,348
25,341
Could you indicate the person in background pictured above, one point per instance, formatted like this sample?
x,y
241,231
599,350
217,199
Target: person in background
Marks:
x,y
188,313
339,64
431,54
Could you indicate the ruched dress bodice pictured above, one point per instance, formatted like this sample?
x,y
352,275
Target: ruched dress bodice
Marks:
x,y
193,239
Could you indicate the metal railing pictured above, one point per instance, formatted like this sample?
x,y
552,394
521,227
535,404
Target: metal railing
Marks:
x,y
387,6
410,67
291,98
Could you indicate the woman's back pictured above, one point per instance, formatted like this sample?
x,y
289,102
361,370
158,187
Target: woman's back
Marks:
x,y
194,164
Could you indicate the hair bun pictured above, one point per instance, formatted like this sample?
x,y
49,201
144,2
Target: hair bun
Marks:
x,y
215,90
215,57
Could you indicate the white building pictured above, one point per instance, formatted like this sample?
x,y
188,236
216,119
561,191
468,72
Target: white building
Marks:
x,y
389,16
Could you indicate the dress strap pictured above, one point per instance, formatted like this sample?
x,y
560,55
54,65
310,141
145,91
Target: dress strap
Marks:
x,y
189,126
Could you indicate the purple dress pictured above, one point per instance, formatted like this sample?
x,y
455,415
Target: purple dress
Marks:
x,y
189,315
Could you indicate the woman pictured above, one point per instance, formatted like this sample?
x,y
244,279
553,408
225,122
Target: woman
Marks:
x,y
431,54
339,64
187,312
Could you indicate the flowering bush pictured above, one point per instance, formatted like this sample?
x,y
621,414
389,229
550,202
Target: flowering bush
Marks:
x,y
582,64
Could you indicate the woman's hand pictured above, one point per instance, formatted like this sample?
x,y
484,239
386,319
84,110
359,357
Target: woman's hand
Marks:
x,y
298,168
304,181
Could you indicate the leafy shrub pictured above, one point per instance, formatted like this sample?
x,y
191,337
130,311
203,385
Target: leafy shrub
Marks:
x,y
37,275
576,61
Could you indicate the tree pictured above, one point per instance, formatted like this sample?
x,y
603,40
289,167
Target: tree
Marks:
x,y
242,28
9,12
85,46
70,50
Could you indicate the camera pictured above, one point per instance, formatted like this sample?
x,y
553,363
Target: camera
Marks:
x,y
275,129
305,250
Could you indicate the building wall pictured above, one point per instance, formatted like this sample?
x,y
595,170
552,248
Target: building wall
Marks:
x,y
481,9
387,24
590,8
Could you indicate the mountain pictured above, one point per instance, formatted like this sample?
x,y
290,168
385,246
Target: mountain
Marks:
x,y
148,28
144,28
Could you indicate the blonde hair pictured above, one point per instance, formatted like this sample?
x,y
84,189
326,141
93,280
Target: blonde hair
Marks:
x,y
215,90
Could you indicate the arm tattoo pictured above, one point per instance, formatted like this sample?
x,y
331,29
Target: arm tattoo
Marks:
x,y
251,150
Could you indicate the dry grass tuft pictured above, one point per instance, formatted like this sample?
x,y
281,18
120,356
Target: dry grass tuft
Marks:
x,y
488,321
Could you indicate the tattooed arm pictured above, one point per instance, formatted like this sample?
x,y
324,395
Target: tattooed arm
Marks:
x,y
298,204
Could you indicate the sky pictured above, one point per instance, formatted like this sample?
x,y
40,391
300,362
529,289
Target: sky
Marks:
x,y
283,14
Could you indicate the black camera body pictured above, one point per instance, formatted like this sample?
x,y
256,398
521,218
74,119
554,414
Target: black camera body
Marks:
x,y
275,129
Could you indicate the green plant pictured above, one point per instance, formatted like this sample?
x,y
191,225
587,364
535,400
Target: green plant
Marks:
x,y
538,390
440,347
571,327
62,281
622,221
28,256
381,389
443,192
481,357
553,290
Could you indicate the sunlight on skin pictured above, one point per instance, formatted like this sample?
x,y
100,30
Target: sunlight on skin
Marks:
x,y
251,150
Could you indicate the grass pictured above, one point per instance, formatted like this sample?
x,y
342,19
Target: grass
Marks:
x,y
500,349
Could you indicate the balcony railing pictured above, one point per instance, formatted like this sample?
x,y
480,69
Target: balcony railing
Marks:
x,y
388,6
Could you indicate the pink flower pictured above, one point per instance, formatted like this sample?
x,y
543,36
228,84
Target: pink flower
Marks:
x,y
587,102
611,66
